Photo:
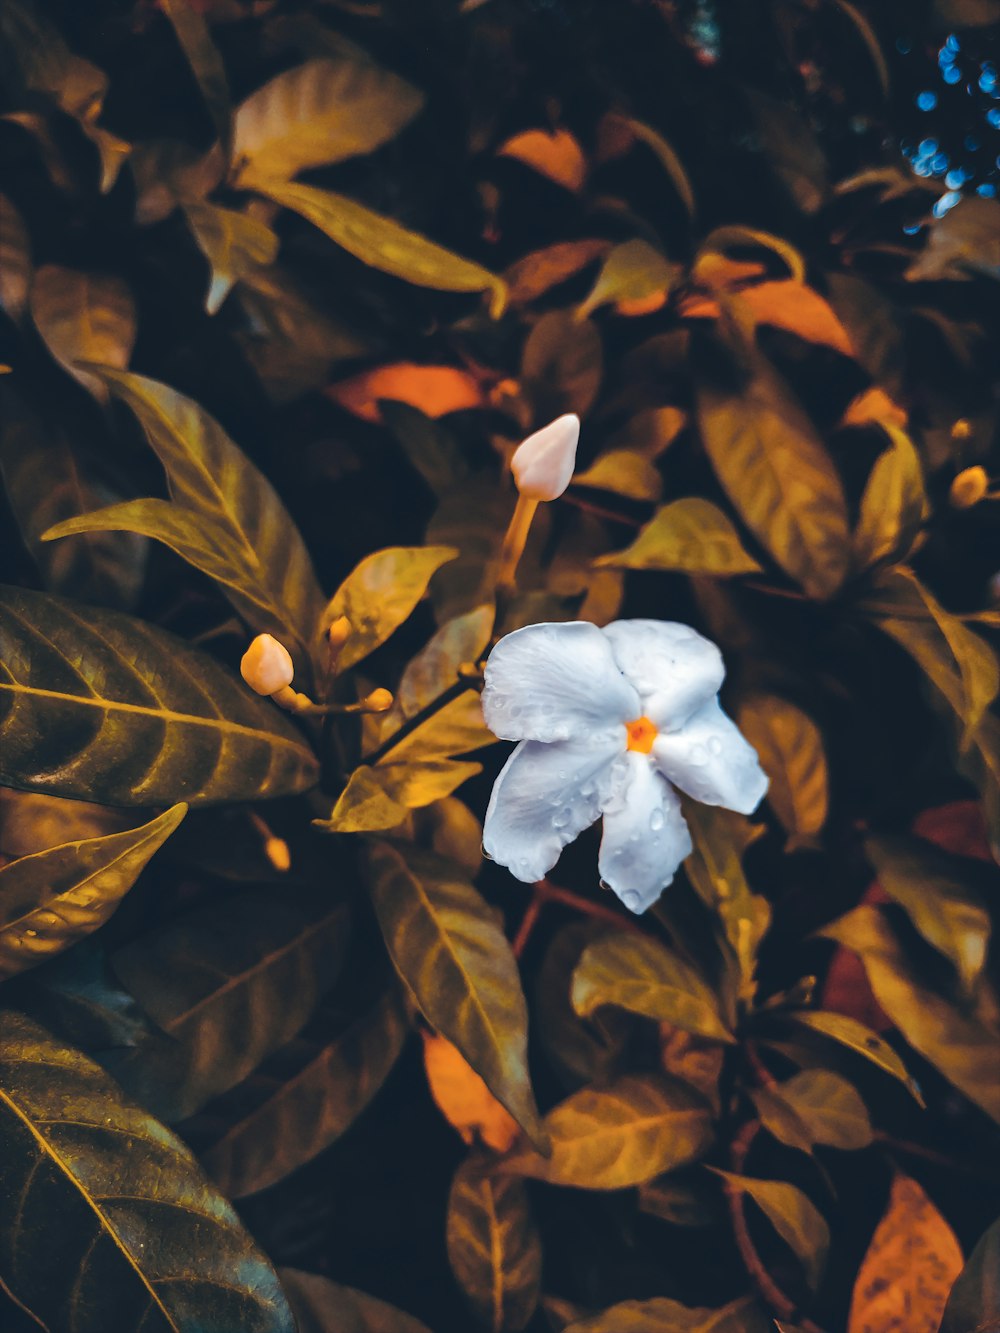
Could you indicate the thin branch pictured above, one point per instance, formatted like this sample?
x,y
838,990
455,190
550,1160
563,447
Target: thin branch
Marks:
x,y
418,720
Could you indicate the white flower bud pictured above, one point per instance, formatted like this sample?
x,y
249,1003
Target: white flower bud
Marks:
x,y
266,666
543,465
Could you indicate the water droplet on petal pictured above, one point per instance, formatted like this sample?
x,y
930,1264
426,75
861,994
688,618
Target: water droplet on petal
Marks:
x,y
698,755
631,900
656,820
562,817
715,745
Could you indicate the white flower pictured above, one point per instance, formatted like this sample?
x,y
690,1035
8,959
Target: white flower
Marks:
x,y
543,463
610,722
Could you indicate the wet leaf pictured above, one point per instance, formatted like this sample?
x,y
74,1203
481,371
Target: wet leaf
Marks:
x,y
383,243
494,1247
771,462
945,897
691,535
794,1217
15,260
660,1315
50,900
608,1138
633,271
911,1266
380,594
81,679
791,753
561,365
894,503
322,1306
552,153
234,243
311,1109
321,112
638,973
151,1244
455,960
224,516
956,1043
227,984
813,1107
84,317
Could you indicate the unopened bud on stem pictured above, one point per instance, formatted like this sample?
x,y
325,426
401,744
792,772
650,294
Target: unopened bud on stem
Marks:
x,y
267,665
543,464
336,636
968,488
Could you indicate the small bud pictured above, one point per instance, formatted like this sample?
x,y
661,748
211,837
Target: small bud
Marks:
x,y
961,429
379,701
968,488
266,666
277,852
543,465
338,633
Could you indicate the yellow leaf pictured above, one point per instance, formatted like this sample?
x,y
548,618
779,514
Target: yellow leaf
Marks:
x,y
464,1099
435,390
552,153
791,753
874,407
910,1267
634,274
785,304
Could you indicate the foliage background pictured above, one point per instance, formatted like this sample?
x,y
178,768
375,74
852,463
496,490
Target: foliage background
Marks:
x,y
697,227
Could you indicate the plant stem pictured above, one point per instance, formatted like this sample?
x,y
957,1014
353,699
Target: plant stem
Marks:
x,y
514,541
418,719
599,511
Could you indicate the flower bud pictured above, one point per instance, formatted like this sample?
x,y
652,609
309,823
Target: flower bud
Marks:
x,y
379,701
968,488
277,852
543,465
267,666
338,633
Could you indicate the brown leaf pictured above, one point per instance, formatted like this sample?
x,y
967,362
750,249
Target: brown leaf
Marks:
x,y
533,275
910,1267
464,1099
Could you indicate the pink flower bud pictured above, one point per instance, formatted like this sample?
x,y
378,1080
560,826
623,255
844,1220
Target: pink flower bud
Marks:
x,y
266,666
543,465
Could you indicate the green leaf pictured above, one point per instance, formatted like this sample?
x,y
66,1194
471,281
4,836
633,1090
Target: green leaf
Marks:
x,y
813,1107
975,1298
661,1315
794,1217
206,65
608,1138
638,973
632,271
311,1109
227,983
691,535
448,948
894,503
52,899
380,594
858,1038
15,260
960,1045
143,1239
668,160
236,506
318,113
384,244
80,717
623,472
322,1306
84,317
561,365
49,477
791,753
234,243
939,642
943,895
380,798
772,463
494,1247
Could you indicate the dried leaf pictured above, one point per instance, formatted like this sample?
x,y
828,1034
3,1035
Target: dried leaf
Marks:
x,y
464,1099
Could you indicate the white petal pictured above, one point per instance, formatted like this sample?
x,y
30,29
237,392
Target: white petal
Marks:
x,y
545,796
645,836
709,759
551,682
543,464
672,666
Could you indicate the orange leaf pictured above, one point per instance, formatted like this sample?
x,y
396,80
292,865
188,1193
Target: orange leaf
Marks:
x,y
642,305
464,1099
720,272
874,406
793,306
533,275
552,153
434,389
910,1267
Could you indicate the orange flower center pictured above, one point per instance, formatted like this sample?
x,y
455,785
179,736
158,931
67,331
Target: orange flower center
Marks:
x,y
641,735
